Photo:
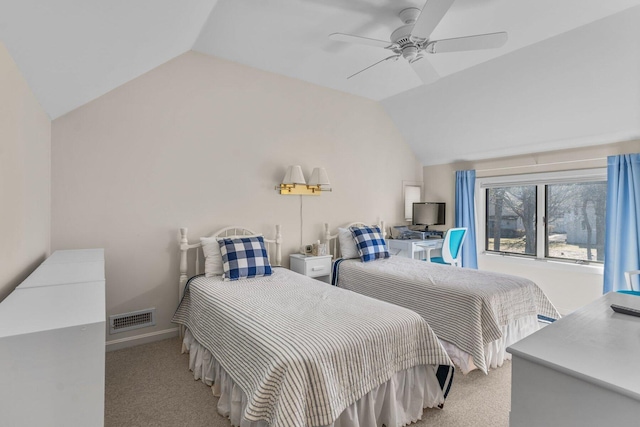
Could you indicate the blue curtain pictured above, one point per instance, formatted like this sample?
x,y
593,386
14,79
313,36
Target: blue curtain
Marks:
x,y
622,239
466,215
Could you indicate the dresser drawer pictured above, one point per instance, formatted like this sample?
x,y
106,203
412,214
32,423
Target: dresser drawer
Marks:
x,y
317,267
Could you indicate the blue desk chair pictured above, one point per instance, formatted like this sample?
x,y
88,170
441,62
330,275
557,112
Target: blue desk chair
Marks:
x,y
451,246
627,277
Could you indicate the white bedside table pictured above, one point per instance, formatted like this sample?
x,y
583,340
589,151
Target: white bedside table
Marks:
x,y
318,267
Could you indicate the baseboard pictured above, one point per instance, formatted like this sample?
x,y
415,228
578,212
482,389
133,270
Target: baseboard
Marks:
x,y
140,339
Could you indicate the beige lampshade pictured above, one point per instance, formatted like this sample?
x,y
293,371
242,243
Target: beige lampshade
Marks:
x,y
319,177
294,176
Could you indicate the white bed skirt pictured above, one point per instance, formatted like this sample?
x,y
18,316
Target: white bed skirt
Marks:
x,y
495,353
398,402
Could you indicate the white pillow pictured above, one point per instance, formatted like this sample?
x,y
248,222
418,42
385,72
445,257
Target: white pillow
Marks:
x,y
212,256
348,247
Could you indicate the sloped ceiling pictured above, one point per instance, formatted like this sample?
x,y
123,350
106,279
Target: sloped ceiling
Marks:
x,y
576,89
290,36
73,51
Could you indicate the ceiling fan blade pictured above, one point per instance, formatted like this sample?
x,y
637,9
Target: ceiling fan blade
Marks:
x,y
425,71
382,60
430,17
481,41
348,38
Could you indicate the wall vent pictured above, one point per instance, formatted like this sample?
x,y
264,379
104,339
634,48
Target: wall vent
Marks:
x,y
133,320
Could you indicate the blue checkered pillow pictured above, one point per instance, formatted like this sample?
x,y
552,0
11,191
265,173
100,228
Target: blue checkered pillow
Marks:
x,y
370,243
244,257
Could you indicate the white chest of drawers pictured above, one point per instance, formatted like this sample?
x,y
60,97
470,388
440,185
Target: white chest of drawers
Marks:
x,y
580,371
52,344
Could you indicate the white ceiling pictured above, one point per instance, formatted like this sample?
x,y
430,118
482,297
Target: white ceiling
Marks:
x,y
290,36
577,89
73,51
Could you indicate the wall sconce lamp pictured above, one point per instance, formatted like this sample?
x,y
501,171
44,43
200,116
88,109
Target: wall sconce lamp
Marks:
x,y
295,184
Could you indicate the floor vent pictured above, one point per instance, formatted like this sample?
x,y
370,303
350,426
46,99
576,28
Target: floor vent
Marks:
x,y
134,320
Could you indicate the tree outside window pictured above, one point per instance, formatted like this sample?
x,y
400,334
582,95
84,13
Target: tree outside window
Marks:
x,y
574,221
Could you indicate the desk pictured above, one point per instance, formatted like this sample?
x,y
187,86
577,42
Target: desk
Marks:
x,y
580,370
409,247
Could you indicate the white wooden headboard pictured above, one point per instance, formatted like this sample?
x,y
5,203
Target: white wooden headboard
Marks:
x,y
332,239
272,245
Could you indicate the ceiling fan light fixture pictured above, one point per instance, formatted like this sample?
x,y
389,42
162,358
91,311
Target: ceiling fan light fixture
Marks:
x,y
418,57
410,53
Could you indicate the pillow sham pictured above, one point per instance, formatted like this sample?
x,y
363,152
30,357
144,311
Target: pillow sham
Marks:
x,y
212,256
370,243
348,247
244,257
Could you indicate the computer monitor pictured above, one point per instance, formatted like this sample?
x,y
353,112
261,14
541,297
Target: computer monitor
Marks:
x,y
428,213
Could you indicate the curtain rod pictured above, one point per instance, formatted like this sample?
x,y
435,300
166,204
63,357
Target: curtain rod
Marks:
x,y
541,164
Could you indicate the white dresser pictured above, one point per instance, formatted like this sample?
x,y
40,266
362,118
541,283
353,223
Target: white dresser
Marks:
x,y
52,344
581,370
410,247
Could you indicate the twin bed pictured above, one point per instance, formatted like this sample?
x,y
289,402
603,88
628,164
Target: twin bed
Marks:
x,y
287,350
476,314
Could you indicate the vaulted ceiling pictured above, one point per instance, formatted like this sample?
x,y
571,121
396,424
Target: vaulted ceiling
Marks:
x,y
73,51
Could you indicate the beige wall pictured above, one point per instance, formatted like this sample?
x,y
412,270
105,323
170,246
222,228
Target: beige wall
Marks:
x,y
568,288
201,142
25,173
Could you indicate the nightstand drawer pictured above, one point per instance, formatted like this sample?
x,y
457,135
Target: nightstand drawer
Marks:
x,y
317,267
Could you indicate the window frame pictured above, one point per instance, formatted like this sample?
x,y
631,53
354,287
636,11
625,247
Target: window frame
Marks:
x,y
541,180
408,199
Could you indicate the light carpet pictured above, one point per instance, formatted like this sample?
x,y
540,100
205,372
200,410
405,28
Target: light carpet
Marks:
x,y
151,385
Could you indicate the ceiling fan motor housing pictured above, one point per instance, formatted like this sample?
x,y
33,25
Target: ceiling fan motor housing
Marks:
x,y
407,47
414,47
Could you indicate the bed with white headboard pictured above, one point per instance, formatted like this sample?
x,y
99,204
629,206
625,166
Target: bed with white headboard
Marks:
x,y
332,241
274,250
302,353
476,314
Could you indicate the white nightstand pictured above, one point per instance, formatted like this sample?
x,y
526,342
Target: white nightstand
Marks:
x,y
318,267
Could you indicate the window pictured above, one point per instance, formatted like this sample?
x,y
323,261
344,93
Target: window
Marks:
x,y
558,216
574,226
511,219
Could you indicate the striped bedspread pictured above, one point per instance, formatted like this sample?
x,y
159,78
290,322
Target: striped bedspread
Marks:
x,y
463,306
301,350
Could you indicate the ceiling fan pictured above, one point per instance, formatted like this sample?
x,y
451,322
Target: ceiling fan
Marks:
x,y
411,41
